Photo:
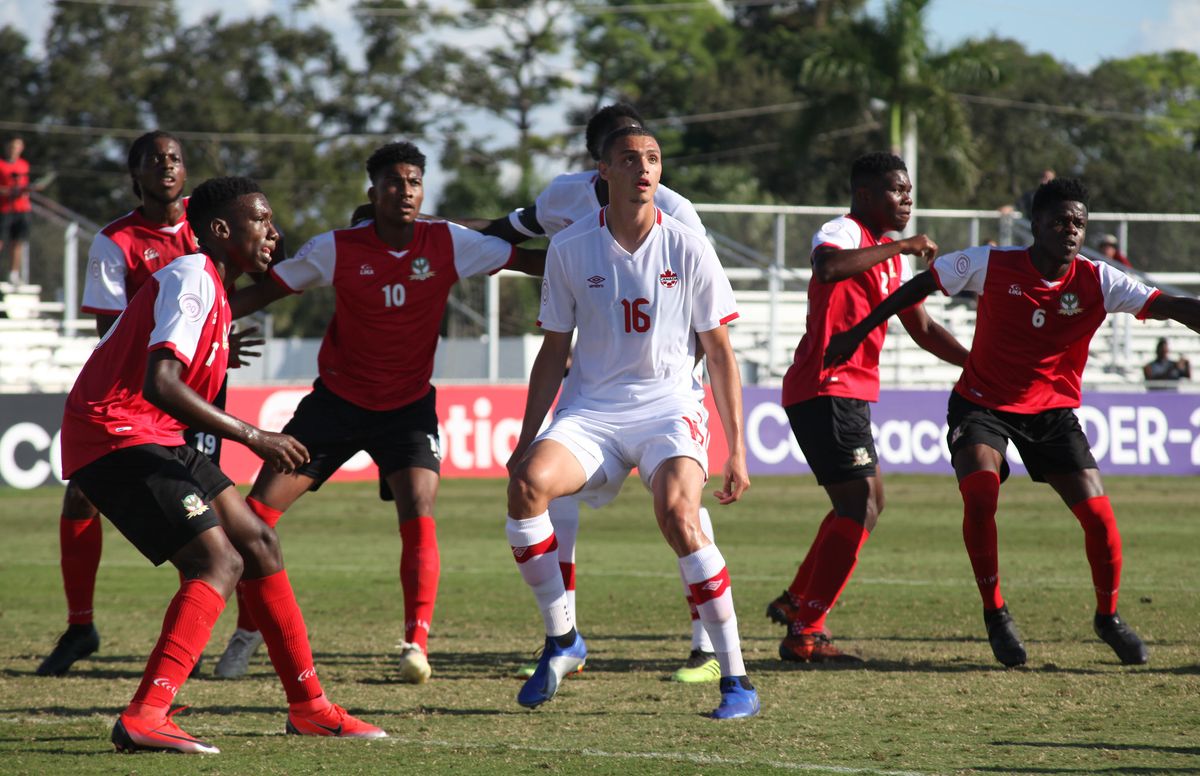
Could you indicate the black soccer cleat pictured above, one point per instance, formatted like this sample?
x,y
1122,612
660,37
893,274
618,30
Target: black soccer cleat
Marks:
x,y
1113,631
77,642
1003,636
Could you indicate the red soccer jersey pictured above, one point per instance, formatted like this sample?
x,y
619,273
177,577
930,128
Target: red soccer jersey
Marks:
x,y
182,307
835,307
14,174
379,347
1032,334
126,253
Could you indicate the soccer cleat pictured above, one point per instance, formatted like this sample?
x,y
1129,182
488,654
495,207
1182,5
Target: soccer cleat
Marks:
x,y
1003,636
700,667
77,642
813,648
414,665
553,666
738,699
235,660
1116,634
526,671
783,609
327,719
134,734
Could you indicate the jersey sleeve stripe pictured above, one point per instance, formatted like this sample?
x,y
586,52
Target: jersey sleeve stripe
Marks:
x,y
1145,311
938,280
512,255
99,310
281,281
731,317
174,351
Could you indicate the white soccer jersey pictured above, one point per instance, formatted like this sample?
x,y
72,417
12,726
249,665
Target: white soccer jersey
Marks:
x,y
571,197
635,313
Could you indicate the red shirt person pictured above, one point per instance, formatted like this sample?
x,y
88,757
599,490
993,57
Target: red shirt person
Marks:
x,y
855,267
15,205
156,371
392,277
1038,309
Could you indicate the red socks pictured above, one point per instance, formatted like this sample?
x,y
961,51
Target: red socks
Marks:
x,y
186,627
1103,543
832,567
420,568
270,516
79,544
804,572
981,493
273,606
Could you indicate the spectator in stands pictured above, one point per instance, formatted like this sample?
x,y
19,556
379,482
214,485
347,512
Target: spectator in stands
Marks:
x,y
14,204
1162,373
1112,250
1025,201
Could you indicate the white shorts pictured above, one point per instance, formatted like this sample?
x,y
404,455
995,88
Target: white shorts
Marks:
x,y
607,451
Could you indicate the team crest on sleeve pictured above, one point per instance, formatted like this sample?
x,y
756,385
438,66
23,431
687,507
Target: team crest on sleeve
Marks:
x,y
149,254
194,505
191,307
961,265
1068,304
420,269
668,279
94,268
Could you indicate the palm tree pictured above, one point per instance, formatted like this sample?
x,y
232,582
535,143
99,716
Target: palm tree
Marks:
x,y
867,62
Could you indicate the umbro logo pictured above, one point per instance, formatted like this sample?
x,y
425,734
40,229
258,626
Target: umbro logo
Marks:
x,y
712,585
596,281
519,552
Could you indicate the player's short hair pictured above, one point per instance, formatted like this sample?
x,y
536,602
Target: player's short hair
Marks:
x,y
1059,190
394,153
612,137
870,167
602,123
212,199
138,150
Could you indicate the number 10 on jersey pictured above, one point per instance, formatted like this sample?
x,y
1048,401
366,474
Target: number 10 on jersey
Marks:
x,y
393,296
636,319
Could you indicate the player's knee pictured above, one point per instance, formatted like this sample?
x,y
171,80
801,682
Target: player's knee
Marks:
x,y
263,546
526,488
76,505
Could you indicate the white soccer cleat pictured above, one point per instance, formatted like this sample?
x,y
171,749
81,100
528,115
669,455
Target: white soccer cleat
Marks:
x,y
413,664
235,661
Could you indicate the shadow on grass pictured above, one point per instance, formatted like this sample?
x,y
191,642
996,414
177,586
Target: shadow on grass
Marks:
x,y
1192,750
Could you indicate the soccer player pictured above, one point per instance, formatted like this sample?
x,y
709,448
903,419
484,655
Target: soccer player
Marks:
x,y
122,257
1038,309
392,276
157,370
574,197
855,266
640,288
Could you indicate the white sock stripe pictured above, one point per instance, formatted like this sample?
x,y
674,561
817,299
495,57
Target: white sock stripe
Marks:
x,y
528,532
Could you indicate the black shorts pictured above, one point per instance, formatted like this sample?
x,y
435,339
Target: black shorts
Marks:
x,y
158,497
835,435
209,444
334,429
14,227
1050,442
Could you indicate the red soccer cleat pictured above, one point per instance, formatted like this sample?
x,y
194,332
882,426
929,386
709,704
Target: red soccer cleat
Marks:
x,y
813,648
139,734
319,717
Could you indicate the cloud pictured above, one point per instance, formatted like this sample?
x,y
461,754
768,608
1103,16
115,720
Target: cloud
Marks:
x,y
1180,29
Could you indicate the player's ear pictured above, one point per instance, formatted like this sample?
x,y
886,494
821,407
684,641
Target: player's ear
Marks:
x,y
602,168
219,228
371,194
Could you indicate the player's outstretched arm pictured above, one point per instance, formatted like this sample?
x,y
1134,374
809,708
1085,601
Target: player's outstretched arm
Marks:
x,y
531,261
727,394
831,264
255,297
932,336
544,381
1182,309
843,344
164,388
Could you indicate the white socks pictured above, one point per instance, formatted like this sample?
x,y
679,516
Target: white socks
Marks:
x,y
536,551
704,572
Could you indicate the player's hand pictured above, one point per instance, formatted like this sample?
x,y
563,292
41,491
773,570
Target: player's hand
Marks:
x,y
841,347
737,480
241,343
517,454
920,245
281,452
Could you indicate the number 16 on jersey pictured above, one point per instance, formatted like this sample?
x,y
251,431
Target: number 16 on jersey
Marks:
x,y
636,319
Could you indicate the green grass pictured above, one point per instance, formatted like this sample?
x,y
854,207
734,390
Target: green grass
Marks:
x,y
930,699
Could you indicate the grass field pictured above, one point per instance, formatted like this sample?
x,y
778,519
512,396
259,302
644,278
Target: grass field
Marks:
x,y
930,698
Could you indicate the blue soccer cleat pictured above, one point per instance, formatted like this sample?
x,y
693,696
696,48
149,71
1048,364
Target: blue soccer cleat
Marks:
x,y
738,699
552,667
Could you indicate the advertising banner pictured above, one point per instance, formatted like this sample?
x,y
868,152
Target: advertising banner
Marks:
x,y
1130,433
